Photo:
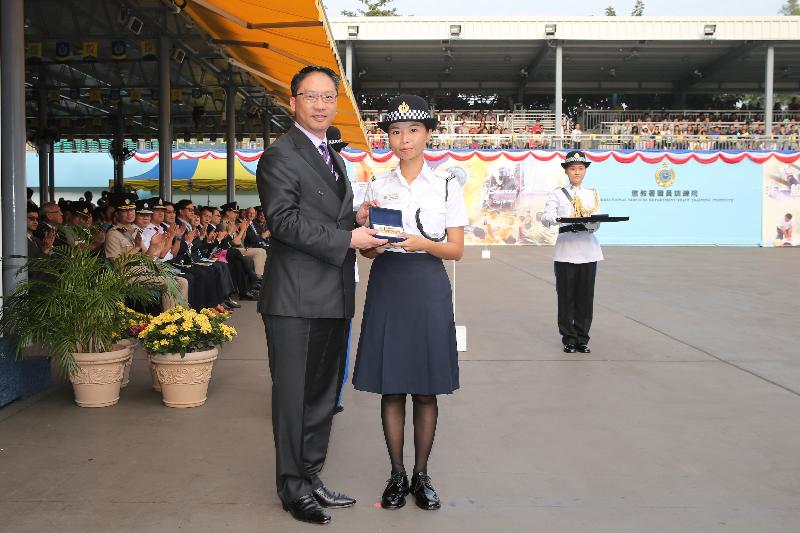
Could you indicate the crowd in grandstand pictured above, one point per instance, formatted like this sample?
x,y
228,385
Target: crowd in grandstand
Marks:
x,y
664,130
218,253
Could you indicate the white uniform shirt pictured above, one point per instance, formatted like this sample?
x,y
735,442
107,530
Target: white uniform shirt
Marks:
x,y
581,246
147,235
426,192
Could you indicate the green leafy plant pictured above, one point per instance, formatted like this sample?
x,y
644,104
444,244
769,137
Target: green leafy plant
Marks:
x,y
181,330
71,301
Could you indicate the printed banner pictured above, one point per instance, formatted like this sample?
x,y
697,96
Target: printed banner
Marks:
x,y
781,185
672,199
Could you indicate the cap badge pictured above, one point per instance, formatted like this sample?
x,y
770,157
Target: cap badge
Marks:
x,y
403,108
127,201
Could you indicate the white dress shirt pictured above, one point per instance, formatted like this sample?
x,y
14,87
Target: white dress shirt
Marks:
x,y
426,192
580,246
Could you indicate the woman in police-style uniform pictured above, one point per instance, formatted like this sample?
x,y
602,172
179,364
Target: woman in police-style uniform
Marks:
x,y
577,252
408,342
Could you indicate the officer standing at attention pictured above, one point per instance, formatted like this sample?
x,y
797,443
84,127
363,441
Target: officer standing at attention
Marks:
x,y
577,252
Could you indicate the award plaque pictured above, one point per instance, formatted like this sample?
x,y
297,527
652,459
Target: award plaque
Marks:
x,y
592,218
388,222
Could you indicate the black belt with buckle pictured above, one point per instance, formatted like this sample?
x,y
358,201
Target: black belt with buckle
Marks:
x,y
572,228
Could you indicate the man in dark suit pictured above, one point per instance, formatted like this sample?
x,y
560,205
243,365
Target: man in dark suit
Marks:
x,y
308,294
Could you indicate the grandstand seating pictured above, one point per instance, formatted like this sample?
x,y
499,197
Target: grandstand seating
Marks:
x,y
603,130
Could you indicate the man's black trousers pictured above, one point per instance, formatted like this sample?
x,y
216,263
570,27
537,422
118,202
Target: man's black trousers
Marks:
x,y
306,362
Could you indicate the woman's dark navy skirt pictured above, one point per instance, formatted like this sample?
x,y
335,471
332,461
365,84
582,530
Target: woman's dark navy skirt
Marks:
x,y
408,336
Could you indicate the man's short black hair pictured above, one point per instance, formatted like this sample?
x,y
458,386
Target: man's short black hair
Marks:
x,y
207,208
180,206
300,76
789,216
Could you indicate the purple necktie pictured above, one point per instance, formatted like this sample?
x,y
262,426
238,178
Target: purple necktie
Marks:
x,y
326,156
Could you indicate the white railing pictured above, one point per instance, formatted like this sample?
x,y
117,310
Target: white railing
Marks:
x,y
592,118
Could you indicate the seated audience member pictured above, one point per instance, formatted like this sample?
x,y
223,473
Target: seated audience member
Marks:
x,y
51,218
238,230
81,232
36,246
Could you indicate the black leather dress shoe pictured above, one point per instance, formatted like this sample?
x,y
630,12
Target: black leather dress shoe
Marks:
x,y
331,499
307,509
230,302
424,492
252,294
394,495
583,348
569,348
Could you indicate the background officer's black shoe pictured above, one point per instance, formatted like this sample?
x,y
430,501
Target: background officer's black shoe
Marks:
x,y
252,294
332,500
583,348
307,509
423,491
394,495
569,348
230,303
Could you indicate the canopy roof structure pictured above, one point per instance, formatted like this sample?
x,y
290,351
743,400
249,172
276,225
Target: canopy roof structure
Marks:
x,y
601,55
88,61
272,41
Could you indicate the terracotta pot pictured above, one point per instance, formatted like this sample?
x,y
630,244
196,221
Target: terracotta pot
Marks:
x,y
184,380
153,373
97,381
133,344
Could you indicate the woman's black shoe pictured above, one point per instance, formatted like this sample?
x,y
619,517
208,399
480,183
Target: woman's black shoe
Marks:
x,y
583,348
394,496
424,492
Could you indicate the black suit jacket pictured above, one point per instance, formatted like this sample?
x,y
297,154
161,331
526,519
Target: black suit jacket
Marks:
x,y
310,267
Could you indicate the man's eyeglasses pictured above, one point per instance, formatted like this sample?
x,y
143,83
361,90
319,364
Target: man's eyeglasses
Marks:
x,y
310,98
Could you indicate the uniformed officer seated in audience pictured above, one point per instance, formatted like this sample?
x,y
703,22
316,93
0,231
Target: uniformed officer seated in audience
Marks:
x,y
126,238
80,231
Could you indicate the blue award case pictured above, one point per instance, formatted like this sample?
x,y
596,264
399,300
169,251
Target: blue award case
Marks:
x,y
388,222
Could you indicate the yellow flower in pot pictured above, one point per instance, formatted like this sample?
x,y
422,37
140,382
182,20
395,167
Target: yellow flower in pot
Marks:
x,y
182,345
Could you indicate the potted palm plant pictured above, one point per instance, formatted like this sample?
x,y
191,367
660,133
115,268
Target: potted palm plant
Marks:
x,y
70,307
182,345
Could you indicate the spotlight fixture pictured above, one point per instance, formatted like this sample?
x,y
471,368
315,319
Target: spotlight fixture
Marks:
x,y
455,30
550,30
709,29
363,72
447,70
352,32
697,73
523,72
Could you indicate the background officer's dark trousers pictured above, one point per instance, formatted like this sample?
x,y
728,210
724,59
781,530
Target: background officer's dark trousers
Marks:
x,y
575,288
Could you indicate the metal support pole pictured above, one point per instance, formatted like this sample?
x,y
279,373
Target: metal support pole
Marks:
x,y
164,120
267,118
44,145
349,62
559,97
230,142
768,90
12,132
51,187
119,140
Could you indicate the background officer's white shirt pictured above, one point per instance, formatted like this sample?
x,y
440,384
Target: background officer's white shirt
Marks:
x,y
147,235
581,246
427,192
